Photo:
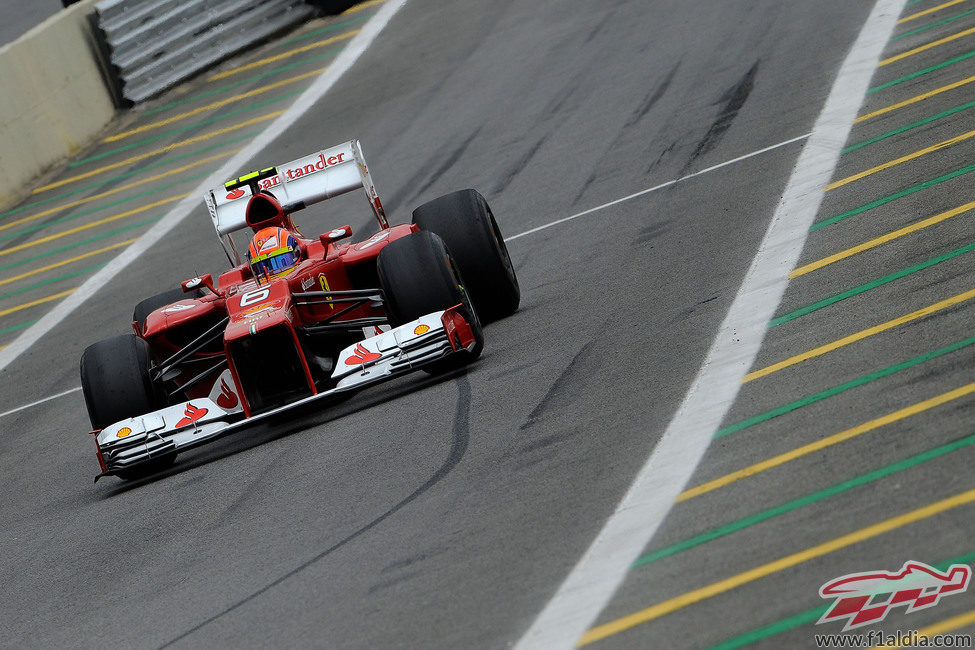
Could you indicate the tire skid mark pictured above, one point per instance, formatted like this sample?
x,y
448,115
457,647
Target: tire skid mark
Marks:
x,y
461,438
734,99
408,192
560,386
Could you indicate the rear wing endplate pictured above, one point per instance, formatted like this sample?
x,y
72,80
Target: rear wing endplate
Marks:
x,y
322,175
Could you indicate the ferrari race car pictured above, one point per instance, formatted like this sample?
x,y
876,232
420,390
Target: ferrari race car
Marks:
x,y
295,319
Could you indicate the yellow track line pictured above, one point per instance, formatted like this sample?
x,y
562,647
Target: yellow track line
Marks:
x,y
829,441
903,159
916,99
359,7
95,197
71,231
66,262
883,239
39,301
213,106
928,46
859,336
935,629
156,152
284,55
945,5
787,562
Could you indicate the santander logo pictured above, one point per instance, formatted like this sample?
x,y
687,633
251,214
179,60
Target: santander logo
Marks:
x,y
361,355
236,194
313,167
191,415
227,398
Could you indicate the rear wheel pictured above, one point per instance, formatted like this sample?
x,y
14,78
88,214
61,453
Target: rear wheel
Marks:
x,y
418,276
117,383
149,305
464,221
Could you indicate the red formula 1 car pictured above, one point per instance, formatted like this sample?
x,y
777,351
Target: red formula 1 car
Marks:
x,y
295,319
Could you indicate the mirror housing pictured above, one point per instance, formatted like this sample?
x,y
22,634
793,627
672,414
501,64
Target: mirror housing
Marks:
x,y
205,280
335,235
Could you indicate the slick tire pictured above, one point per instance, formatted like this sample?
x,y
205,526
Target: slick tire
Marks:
x,y
464,221
418,276
117,384
149,305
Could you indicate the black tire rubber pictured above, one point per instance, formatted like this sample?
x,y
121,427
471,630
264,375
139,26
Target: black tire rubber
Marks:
x,y
117,383
464,221
418,276
332,7
149,305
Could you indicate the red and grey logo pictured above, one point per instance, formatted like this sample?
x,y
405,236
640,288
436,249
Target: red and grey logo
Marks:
x,y
191,415
866,598
227,398
361,355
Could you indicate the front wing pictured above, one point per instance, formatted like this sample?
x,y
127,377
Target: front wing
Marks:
x,y
138,440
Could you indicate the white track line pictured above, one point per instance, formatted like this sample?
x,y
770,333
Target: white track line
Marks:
x,y
599,572
322,84
40,401
659,187
534,230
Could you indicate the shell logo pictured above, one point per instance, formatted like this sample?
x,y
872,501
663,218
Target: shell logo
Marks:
x,y
421,329
123,432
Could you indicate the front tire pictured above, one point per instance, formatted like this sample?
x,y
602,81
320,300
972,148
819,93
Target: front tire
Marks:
x,y
418,276
117,383
464,221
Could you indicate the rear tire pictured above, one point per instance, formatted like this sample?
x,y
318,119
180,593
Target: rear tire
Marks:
x,y
117,383
464,221
418,276
149,305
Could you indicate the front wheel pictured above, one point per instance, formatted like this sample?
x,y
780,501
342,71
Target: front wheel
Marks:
x,y
116,379
418,276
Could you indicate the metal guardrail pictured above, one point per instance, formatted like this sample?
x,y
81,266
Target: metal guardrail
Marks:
x,y
152,45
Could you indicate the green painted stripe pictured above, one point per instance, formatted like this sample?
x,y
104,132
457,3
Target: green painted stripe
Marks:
x,y
38,285
891,197
183,129
55,251
254,79
802,502
932,25
836,390
809,616
914,125
855,291
919,73
108,181
14,328
85,213
322,30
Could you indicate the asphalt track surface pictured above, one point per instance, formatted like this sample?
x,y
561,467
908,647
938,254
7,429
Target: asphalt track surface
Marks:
x,y
445,513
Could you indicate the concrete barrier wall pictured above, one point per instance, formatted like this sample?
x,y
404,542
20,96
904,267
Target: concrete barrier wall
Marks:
x,y
53,99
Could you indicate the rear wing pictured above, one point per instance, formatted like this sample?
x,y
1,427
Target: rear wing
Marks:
x,y
322,175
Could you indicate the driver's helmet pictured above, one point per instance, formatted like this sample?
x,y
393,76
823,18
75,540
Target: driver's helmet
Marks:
x,y
273,251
